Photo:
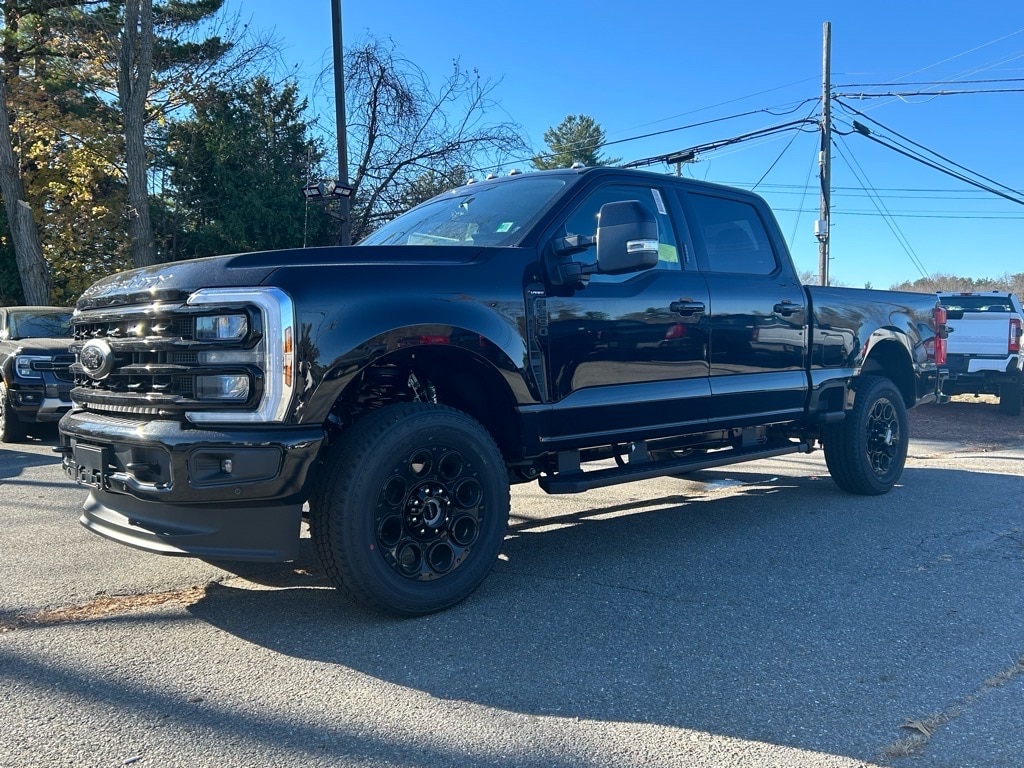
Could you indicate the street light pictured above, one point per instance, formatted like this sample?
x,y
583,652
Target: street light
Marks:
x,y
326,190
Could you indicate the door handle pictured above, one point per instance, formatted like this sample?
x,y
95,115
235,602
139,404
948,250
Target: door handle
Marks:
x,y
687,307
787,308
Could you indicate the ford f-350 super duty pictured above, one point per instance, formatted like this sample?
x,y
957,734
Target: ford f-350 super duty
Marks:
x,y
575,328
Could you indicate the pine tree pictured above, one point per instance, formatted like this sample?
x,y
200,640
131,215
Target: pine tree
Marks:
x,y
576,139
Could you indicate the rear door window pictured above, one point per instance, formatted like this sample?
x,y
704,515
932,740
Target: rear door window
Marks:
x,y
735,239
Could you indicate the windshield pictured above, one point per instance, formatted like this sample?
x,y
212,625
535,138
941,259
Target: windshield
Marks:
x,y
490,214
40,325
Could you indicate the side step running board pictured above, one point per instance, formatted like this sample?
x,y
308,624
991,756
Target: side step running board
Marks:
x,y
577,481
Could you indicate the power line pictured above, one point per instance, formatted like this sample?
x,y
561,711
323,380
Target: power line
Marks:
x,y
906,94
783,152
800,190
880,189
803,195
967,73
937,167
602,145
933,82
929,151
733,101
691,152
880,206
705,122
963,53
909,215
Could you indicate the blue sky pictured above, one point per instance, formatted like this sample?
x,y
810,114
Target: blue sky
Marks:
x,y
647,66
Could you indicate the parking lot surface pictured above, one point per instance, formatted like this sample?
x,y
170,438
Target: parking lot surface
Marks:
x,y
747,616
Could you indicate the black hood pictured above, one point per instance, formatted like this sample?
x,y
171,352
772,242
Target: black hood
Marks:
x,y
169,282
176,280
39,346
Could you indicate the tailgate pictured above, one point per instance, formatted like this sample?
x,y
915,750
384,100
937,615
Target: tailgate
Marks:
x,y
980,333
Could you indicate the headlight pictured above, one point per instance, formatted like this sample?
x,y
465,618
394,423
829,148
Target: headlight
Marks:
x,y
221,328
23,366
274,354
224,388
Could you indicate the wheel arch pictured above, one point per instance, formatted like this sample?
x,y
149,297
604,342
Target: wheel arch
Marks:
x,y
449,375
889,357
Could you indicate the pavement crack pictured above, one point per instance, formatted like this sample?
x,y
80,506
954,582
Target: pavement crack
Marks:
x,y
102,607
924,727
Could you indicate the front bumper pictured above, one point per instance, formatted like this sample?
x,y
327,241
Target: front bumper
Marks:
x,y
264,532
40,402
164,487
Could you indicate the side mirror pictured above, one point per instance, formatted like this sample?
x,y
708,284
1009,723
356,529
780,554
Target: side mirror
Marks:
x,y
627,238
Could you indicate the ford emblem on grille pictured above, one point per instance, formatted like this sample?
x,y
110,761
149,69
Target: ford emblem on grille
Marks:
x,y
97,358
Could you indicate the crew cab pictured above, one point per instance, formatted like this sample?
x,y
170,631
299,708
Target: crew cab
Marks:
x,y
35,375
576,328
984,351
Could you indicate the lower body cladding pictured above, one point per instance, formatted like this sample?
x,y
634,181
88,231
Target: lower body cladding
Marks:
x,y
163,487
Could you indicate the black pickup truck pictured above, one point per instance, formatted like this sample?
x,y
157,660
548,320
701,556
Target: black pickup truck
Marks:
x,y
578,328
35,368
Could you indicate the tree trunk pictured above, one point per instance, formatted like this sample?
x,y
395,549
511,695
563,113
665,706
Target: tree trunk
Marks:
x,y
28,250
134,73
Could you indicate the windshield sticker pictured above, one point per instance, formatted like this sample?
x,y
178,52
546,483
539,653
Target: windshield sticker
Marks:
x,y
659,202
505,226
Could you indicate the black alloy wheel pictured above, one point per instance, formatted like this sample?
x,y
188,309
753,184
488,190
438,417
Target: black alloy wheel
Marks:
x,y
866,452
411,508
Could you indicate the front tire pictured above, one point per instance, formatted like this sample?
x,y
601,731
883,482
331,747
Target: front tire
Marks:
x,y
1010,396
412,508
11,429
866,452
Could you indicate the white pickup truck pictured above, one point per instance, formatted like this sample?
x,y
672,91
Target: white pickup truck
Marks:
x,y
984,347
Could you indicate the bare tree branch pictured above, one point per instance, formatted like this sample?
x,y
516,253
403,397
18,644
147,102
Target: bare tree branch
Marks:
x,y
408,135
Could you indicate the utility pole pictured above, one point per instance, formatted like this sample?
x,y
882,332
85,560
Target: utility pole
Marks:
x,y
339,107
821,226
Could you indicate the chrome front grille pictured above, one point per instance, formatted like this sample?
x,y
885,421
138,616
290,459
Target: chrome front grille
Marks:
x,y
133,326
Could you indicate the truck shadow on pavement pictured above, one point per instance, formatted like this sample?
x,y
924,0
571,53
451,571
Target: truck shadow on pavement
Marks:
x,y
14,461
785,612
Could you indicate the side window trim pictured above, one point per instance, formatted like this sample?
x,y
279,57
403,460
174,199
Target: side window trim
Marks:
x,y
685,238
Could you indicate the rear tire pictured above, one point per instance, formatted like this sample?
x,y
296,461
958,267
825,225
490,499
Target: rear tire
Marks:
x,y
866,452
412,508
11,429
1010,396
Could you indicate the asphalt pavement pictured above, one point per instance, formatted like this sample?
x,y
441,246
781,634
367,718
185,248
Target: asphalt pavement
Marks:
x,y
748,616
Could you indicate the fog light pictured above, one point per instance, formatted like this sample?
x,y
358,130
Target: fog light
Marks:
x,y
233,388
221,327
